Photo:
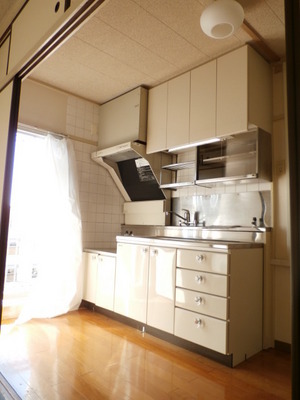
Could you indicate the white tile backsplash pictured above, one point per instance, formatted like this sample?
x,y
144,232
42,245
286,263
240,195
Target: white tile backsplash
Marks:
x,y
100,200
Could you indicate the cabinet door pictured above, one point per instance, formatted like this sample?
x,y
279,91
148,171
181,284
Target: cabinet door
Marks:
x,y
202,329
106,282
157,118
203,102
90,261
178,113
161,289
232,92
132,281
123,119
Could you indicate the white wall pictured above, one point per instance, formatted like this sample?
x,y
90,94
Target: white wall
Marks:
x,y
281,237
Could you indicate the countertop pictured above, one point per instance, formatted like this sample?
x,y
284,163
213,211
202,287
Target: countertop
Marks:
x,y
106,252
190,243
236,234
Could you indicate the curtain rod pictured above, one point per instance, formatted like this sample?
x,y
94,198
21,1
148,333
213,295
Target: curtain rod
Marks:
x,y
37,131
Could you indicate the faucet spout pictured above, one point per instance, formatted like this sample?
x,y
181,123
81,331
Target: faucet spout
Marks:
x,y
186,219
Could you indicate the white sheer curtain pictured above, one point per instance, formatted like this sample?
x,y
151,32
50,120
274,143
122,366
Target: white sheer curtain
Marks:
x,y
53,232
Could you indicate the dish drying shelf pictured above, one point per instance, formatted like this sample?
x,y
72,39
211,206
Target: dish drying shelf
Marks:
x,y
174,168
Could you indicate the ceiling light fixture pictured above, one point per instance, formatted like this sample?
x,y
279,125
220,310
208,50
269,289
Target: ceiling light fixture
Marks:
x,y
195,144
222,18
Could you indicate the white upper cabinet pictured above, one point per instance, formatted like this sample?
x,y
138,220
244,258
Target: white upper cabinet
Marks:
x,y
123,119
157,118
203,102
168,114
244,92
178,111
231,94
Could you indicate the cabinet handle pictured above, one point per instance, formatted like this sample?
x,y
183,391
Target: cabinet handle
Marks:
x,y
200,258
145,250
199,300
199,279
198,322
154,252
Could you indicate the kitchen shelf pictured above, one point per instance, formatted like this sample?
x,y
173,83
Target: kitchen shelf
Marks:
x,y
241,157
176,185
179,166
174,168
249,154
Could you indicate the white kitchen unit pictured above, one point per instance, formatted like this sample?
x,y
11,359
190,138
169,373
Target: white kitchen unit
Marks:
x,y
169,114
157,118
231,94
219,300
106,281
203,102
178,110
244,92
123,119
90,263
131,286
161,288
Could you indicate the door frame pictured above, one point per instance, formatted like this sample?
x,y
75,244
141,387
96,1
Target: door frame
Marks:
x,y
7,184
292,9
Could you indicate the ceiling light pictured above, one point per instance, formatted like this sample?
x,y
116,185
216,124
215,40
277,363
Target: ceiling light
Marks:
x,y
195,144
222,18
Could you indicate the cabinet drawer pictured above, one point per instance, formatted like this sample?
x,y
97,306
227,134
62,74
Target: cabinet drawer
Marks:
x,y
207,304
205,331
203,261
202,282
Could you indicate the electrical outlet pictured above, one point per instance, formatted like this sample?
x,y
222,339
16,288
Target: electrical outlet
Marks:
x,y
280,167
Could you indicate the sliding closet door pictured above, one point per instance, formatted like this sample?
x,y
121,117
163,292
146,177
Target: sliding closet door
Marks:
x,y
9,107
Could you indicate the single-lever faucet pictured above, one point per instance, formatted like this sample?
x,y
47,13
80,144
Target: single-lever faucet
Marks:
x,y
186,219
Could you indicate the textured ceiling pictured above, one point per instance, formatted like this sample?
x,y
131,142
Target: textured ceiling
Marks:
x,y
128,43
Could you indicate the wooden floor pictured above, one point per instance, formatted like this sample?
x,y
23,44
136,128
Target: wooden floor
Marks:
x,y
85,355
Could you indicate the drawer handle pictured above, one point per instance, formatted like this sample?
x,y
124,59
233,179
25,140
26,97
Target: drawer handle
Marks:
x,y
199,279
199,300
200,258
198,322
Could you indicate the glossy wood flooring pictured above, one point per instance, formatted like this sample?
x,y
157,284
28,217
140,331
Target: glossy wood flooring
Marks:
x,y
84,355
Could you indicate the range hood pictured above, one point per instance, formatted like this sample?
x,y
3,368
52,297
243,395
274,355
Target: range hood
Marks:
x,y
134,172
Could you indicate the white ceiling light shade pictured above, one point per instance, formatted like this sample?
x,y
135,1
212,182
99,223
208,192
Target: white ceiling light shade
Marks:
x,y
222,18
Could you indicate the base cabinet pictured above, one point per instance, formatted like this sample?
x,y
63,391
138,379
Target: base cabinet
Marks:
x,y
132,281
219,300
161,288
90,263
99,278
207,296
201,329
106,282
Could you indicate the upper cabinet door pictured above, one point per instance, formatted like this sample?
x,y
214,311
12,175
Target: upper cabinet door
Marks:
x,y
157,118
203,102
244,92
232,93
178,117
